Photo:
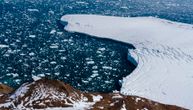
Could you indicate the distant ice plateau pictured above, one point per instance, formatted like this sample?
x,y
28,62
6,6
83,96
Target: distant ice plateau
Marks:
x,y
164,54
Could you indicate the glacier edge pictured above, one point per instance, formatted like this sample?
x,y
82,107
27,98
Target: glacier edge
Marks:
x,y
164,50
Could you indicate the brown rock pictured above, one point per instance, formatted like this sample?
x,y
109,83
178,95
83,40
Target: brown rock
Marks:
x,y
53,93
5,89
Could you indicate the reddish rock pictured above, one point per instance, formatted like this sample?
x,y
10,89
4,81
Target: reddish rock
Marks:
x,y
46,93
5,89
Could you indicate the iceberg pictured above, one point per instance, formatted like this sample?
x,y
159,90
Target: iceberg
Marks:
x,y
163,54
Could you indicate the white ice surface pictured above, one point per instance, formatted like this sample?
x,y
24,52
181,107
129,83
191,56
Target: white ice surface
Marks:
x,y
164,52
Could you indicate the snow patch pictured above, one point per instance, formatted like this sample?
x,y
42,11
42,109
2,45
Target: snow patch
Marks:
x,y
97,98
20,92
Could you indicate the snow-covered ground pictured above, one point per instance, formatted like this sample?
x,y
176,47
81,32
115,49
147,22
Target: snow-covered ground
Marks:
x,y
164,52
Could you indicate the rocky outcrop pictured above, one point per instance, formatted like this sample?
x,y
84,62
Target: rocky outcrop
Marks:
x,y
5,89
45,93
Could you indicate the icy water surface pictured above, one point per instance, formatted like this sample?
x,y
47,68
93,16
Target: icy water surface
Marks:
x,y
33,42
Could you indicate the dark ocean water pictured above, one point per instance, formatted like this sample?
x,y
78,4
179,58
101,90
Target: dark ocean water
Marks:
x,y
38,45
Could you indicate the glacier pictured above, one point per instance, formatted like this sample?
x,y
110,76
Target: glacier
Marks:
x,y
164,54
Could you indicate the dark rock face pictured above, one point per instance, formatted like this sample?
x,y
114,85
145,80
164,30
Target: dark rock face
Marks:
x,y
45,93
